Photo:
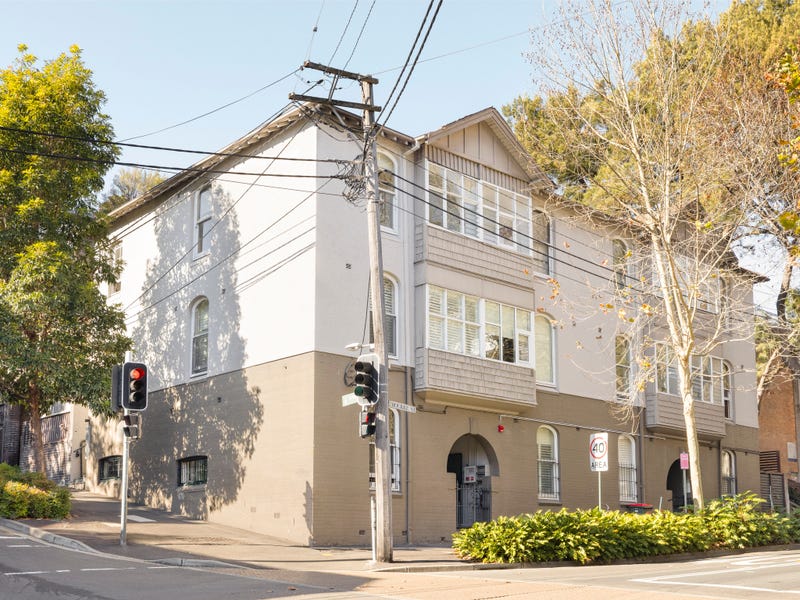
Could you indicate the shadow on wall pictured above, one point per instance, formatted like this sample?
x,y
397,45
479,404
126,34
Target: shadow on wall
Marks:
x,y
207,423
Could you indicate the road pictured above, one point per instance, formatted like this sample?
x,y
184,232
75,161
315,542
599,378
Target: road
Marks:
x,y
33,570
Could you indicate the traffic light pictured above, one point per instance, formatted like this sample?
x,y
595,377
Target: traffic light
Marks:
x,y
366,425
116,388
134,386
367,379
132,426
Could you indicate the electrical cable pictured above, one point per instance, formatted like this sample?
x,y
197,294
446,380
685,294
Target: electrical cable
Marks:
x,y
211,112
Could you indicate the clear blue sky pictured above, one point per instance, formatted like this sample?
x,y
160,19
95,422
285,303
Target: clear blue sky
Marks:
x,y
162,62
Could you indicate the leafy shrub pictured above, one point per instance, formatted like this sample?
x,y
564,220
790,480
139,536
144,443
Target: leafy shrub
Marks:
x,y
586,536
31,495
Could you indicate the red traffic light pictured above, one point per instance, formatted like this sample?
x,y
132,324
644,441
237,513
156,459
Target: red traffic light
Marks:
x,y
137,373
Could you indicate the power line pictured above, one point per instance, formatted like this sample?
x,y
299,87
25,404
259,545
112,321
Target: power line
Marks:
x,y
167,148
210,229
411,69
158,167
211,112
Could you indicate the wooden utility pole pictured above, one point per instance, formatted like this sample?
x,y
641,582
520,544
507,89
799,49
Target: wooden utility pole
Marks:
x,y
383,468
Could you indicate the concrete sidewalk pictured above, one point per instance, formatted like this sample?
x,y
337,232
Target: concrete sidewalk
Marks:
x,y
155,535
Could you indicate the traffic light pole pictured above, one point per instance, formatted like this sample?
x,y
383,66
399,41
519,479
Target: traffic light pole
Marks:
x,y
123,507
383,469
382,546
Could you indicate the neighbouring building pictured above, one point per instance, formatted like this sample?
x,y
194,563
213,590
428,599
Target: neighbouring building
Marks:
x,y
246,276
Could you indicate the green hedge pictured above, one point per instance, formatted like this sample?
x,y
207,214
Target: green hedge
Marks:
x,y
31,495
587,536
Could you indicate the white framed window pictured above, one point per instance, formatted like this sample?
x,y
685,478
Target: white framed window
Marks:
x,y
202,221
390,301
620,264
544,344
193,470
700,286
622,351
199,358
387,191
728,483
547,446
115,286
109,467
472,326
711,377
394,450
727,389
626,457
542,243
480,210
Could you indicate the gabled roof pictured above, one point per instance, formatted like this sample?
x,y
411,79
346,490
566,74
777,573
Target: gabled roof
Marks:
x,y
339,119
495,121
334,117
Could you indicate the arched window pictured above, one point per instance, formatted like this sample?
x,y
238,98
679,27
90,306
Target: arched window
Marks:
x,y
622,352
547,444
620,263
387,191
200,336
541,243
727,389
728,473
202,221
626,456
544,337
390,317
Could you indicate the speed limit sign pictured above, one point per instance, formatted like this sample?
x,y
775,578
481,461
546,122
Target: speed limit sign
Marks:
x,y
598,451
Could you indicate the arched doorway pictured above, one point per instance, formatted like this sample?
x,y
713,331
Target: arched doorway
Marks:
x,y
474,462
675,484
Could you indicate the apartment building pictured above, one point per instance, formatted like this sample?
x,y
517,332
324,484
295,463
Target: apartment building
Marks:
x,y
246,277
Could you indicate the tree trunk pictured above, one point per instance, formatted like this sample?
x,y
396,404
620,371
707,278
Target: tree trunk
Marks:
x,y
692,441
36,428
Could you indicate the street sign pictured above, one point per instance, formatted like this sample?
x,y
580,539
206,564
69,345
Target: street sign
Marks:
x,y
598,451
401,406
684,461
348,399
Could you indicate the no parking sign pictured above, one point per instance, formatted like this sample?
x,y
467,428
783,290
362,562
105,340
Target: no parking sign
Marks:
x,y
598,451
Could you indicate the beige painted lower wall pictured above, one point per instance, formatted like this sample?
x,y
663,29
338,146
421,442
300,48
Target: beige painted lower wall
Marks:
x,y
285,458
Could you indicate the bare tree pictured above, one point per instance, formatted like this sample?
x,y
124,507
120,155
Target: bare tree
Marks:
x,y
624,127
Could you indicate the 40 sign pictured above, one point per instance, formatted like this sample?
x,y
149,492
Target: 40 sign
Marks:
x,y
598,451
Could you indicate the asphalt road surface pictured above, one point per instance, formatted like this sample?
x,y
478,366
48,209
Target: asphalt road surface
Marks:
x,y
33,570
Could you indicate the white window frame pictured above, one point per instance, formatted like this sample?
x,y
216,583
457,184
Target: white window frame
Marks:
x,y
462,326
708,376
115,287
198,335
628,475
390,318
189,467
542,249
727,390
727,473
623,368
202,220
387,190
394,449
545,321
619,258
480,210
552,480
109,468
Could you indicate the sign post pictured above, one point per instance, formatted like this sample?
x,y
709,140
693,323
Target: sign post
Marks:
x,y
598,460
684,468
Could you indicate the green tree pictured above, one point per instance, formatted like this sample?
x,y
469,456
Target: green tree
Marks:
x,y
58,337
127,185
